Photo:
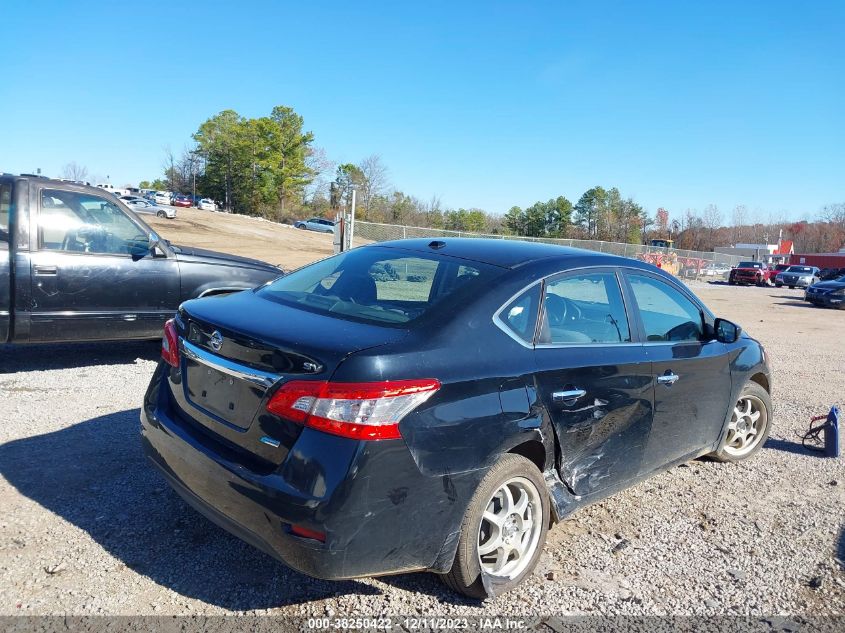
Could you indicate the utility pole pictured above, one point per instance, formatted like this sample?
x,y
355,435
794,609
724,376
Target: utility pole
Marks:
x,y
352,218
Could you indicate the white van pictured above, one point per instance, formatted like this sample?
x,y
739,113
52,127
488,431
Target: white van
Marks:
x,y
112,189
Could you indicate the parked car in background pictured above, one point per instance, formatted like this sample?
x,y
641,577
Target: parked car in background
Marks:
x,y
341,418
206,204
150,208
715,270
828,294
182,201
162,197
316,224
80,265
828,274
801,276
756,273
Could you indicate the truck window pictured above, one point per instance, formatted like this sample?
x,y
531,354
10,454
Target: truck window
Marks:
x,y
85,223
5,210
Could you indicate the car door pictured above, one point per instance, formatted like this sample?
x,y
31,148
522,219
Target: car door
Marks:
x,y
691,369
86,283
593,379
141,206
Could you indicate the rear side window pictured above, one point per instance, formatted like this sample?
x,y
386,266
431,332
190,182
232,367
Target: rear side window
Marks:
x,y
520,315
382,285
667,315
584,308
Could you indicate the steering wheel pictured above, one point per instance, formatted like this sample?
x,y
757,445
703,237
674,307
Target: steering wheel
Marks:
x,y
560,309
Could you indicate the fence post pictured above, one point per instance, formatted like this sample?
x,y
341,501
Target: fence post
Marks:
x,y
404,232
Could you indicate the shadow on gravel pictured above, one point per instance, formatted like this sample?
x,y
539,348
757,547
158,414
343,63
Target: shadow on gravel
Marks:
x,y
789,447
94,475
14,358
797,303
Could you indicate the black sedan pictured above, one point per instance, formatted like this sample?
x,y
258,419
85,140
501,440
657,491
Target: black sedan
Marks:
x,y
436,405
828,294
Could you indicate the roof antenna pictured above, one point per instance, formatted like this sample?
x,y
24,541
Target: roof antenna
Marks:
x,y
437,244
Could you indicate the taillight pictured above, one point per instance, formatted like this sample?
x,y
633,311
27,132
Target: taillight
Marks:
x,y
170,344
358,410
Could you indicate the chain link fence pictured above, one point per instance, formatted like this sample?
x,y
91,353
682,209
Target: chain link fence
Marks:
x,y
682,263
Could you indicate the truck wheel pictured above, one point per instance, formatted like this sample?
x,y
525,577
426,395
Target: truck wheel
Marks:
x,y
749,426
503,530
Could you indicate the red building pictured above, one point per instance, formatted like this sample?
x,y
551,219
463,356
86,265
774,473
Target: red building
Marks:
x,y
822,260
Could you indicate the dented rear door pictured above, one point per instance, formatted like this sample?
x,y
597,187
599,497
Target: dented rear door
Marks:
x,y
594,378
603,433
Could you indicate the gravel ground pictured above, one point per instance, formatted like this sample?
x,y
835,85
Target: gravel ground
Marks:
x,y
88,528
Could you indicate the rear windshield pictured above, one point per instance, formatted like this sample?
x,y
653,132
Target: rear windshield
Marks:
x,y
800,269
382,285
750,265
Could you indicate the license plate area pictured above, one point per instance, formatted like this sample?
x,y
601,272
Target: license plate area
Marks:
x,y
222,395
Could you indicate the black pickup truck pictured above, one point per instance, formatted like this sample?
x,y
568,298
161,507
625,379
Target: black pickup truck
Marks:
x,y
76,264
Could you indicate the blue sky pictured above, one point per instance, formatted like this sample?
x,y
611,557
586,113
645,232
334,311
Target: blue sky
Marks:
x,y
679,104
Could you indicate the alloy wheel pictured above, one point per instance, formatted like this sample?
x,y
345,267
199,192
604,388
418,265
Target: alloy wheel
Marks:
x,y
510,528
747,426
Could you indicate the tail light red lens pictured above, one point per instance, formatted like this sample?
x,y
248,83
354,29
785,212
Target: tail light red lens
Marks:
x,y
358,410
170,344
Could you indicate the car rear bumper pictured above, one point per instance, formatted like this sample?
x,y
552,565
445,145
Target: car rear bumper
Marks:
x,y
381,516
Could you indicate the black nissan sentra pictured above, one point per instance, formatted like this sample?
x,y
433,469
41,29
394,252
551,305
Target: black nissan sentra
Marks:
x,y
437,405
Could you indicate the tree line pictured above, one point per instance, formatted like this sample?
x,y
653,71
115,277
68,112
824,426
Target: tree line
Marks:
x,y
270,166
703,231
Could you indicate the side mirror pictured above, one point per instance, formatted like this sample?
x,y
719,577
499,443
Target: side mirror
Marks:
x,y
726,331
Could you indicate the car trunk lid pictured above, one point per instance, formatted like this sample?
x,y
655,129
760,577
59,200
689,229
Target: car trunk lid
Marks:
x,y
236,351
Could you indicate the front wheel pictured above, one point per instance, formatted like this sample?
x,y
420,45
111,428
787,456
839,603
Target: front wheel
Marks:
x,y
503,530
792,287
749,427
160,214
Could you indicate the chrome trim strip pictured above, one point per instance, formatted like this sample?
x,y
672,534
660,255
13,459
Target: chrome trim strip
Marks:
x,y
256,376
220,290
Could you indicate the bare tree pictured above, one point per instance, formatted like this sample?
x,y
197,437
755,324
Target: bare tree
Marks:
x,y
169,166
375,179
740,216
74,171
834,213
322,172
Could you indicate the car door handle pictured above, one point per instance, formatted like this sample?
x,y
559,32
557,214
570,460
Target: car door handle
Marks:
x,y
668,379
46,270
571,394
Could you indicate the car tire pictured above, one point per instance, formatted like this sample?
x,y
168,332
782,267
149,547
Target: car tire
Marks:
x,y
745,434
777,285
792,287
299,226
731,282
517,474
161,214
